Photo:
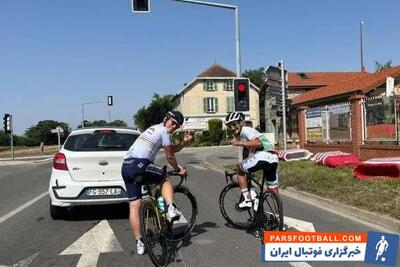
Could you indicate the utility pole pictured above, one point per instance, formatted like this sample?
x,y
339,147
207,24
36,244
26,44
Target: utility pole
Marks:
x,y
283,78
361,46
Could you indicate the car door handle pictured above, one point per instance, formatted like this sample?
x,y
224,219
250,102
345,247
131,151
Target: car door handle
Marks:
x,y
103,163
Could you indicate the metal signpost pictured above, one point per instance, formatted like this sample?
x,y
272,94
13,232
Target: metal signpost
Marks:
x,y
58,130
276,90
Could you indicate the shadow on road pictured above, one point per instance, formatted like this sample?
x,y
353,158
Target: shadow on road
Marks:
x,y
197,230
108,212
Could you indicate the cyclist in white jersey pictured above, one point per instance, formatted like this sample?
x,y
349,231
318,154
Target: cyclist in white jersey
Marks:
x,y
139,164
260,155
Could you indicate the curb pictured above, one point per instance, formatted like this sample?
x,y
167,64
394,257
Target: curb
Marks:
x,y
381,222
369,218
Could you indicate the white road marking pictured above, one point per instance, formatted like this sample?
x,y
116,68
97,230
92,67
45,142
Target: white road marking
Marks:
x,y
302,226
22,207
199,167
100,239
25,262
182,219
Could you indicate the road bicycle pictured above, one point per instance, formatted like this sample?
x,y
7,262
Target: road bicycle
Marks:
x,y
266,213
156,229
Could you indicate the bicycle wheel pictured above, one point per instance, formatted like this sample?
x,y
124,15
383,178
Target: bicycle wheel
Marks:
x,y
273,212
176,180
187,204
154,237
228,205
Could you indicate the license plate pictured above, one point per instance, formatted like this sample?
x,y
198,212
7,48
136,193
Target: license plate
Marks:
x,y
103,192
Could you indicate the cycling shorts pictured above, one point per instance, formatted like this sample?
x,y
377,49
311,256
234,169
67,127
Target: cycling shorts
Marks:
x,y
135,167
265,161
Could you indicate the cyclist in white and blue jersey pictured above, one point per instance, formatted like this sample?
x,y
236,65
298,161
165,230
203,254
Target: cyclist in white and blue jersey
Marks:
x,y
260,155
139,162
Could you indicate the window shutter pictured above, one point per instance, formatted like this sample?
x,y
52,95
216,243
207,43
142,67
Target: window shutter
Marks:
x,y
204,85
225,85
215,85
205,105
216,105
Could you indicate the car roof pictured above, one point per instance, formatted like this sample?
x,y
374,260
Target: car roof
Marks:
x,y
117,129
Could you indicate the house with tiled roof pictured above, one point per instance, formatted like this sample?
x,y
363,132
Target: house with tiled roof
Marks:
x,y
303,82
370,84
362,110
210,96
300,83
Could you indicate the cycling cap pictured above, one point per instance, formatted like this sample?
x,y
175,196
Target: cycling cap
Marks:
x,y
234,116
176,115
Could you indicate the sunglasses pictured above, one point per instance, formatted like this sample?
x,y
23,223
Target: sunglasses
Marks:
x,y
175,123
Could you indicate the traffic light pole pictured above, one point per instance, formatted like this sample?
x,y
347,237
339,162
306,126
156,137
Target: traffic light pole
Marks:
x,y
83,110
283,104
237,31
12,138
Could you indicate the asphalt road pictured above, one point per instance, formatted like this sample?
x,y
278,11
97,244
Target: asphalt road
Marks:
x,y
29,237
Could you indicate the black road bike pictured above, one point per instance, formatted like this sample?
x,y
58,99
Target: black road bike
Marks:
x,y
156,229
266,214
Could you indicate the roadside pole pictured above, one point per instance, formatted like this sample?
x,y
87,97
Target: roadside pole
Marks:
x,y
283,104
59,138
12,138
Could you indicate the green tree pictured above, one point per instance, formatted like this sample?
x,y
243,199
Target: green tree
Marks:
x,y
256,76
383,66
215,130
155,112
41,132
99,123
118,123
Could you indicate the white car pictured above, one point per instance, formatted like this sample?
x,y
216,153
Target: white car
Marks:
x,y
87,170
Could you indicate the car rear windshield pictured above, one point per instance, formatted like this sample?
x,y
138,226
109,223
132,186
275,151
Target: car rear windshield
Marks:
x,y
99,141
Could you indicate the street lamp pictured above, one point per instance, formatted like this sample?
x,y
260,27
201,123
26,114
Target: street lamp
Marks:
x,y
361,46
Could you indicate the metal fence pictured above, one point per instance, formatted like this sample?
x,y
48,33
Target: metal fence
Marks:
x,y
329,123
380,119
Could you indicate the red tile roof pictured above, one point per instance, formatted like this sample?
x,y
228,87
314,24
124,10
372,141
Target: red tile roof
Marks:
x,y
364,83
217,71
318,79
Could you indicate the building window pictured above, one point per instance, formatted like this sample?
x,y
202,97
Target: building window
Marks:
x,y
210,105
230,104
210,85
229,85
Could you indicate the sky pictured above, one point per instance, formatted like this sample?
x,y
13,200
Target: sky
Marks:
x,y
56,55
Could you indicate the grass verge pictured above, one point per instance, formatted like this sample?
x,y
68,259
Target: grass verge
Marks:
x,y
376,195
22,151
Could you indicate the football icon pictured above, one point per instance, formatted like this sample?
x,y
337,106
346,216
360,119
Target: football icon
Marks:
x,y
383,259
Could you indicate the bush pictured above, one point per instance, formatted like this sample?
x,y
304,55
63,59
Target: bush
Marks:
x,y
215,129
177,137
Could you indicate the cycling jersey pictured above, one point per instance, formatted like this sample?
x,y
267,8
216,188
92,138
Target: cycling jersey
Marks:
x,y
149,143
248,134
138,161
260,159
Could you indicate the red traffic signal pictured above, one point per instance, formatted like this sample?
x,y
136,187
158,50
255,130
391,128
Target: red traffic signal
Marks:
x,y
241,92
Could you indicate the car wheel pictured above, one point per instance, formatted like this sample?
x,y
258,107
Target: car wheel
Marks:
x,y
57,212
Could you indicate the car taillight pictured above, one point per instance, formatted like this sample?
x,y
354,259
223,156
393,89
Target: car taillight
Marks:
x,y
60,162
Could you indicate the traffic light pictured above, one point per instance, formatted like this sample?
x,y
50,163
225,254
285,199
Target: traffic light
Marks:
x,y
141,6
7,123
241,92
109,100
